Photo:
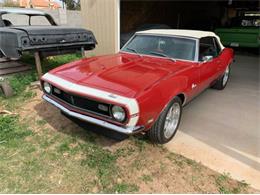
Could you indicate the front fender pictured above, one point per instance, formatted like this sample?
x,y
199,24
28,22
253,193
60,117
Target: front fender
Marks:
x,y
154,100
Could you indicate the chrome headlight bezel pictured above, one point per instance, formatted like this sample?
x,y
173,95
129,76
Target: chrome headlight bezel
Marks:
x,y
47,87
118,113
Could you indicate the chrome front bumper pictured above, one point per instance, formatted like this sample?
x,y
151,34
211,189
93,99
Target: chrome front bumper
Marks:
x,y
124,130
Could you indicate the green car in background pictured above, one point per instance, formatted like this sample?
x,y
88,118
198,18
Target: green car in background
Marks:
x,y
243,31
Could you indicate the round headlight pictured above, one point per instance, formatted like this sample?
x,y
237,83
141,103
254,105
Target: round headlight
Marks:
x,y
118,113
47,87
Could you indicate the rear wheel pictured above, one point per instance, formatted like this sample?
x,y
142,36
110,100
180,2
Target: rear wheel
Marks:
x,y
222,81
167,124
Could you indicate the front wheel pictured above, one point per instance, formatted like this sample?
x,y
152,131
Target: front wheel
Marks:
x,y
167,124
223,80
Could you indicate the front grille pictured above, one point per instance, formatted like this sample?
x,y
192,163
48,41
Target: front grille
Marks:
x,y
83,103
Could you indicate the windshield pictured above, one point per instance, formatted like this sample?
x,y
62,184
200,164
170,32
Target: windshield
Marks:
x,y
164,46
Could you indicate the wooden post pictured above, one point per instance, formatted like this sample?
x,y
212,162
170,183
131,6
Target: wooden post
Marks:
x,y
83,52
38,64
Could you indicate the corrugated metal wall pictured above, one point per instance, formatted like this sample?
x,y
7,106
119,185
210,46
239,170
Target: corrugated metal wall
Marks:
x,y
102,17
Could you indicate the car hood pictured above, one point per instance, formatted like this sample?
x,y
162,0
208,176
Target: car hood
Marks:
x,y
122,74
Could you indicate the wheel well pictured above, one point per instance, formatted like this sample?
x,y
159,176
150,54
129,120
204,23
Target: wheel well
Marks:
x,y
182,97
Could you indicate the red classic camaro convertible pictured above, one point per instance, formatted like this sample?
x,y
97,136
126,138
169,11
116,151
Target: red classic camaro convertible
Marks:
x,y
143,87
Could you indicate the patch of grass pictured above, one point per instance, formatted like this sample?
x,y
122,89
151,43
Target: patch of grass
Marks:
x,y
140,143
11,132
125,188
195,165
176,159
194,178
51,62
19,82
17,162
124,152
162,167
63,147
222,182
147,178
104,162
41,122
242,187
69,146
107,169
137,164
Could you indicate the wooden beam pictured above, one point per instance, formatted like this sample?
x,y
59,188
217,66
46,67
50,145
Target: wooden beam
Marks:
x,y
83,54
10,67
38,64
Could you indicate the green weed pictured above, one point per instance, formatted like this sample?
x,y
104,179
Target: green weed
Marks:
x,y
125,188
147,178
11,132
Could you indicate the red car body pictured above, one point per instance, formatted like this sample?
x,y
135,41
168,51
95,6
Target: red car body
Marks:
x,y
147,83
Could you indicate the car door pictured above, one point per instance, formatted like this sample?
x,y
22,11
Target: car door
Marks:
x,y
209,61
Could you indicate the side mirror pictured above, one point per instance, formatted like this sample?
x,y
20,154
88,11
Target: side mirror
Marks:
x,y
207,58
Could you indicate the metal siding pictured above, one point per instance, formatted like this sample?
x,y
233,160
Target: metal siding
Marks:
x,y
102,17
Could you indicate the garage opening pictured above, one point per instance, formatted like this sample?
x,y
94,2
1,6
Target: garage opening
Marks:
x,y
197,15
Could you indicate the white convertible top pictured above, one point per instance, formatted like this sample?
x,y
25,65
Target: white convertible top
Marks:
x,y
185,33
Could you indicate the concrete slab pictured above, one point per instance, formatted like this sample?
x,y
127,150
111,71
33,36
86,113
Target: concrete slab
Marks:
x,y
221,129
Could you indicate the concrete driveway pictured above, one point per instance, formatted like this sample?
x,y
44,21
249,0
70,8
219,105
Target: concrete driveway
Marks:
x,y
221,129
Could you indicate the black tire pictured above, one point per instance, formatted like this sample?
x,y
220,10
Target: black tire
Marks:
x,y
220,84
157,133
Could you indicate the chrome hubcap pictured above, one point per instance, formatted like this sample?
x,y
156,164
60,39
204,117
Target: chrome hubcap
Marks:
x,y
172,120
226,75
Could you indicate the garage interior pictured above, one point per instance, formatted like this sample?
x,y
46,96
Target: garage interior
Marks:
x,y
197,15
219,128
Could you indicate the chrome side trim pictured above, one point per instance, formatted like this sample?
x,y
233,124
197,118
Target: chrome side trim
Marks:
x,y
126,130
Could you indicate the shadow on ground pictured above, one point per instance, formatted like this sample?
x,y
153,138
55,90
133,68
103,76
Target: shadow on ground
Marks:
x,y
77,128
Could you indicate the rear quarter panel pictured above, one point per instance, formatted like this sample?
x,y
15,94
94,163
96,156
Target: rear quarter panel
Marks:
x,y
227,57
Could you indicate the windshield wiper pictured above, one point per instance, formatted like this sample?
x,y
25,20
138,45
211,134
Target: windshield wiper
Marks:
x,y
134,50
163,55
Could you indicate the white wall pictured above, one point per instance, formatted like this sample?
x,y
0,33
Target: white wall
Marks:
x,y
102,17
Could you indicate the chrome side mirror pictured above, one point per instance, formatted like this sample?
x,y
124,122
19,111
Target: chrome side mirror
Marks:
x,y
207,58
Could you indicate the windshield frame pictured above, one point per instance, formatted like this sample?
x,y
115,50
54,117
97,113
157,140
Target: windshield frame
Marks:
x,y
196,56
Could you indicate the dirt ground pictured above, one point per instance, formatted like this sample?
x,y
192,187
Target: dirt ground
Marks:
x,y
90,162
